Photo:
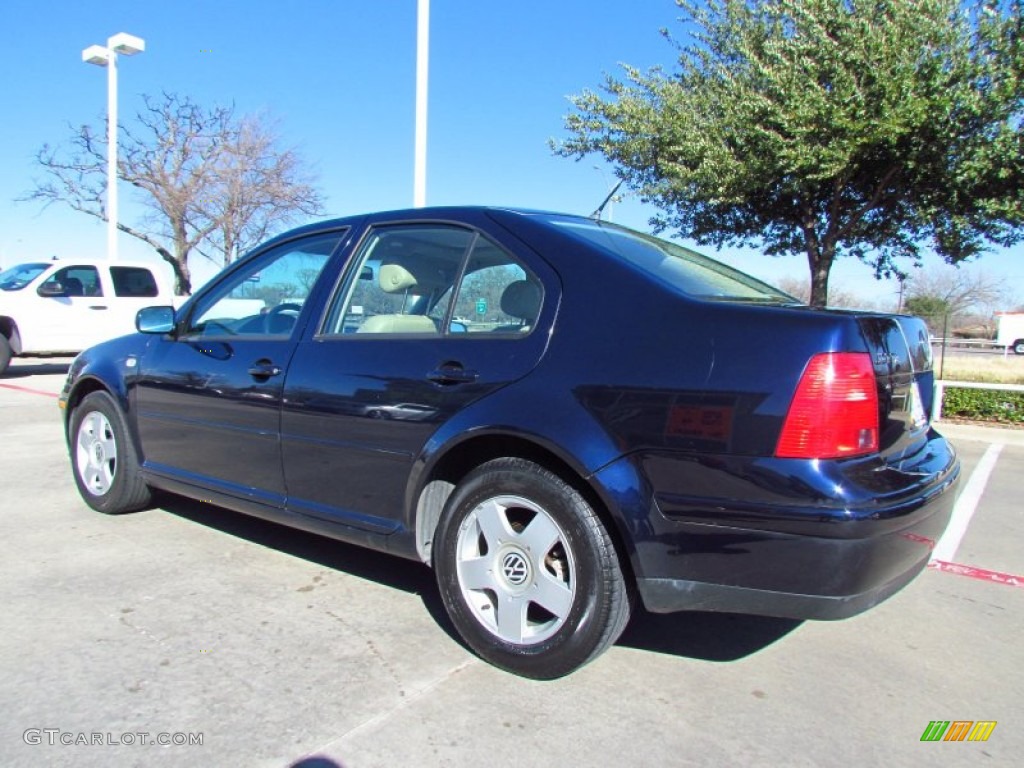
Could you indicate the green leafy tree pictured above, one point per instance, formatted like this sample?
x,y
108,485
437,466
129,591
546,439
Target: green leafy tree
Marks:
x,y
827,128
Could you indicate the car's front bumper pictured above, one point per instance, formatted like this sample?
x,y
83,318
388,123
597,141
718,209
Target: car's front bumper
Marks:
x,y
807,540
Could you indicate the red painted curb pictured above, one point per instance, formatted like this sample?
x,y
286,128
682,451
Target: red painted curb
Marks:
x,y
27,389
977,573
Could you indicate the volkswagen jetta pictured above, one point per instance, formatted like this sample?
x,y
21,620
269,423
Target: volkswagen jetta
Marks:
x,y
559,415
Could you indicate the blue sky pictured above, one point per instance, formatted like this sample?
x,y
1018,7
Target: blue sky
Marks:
x,y
339,78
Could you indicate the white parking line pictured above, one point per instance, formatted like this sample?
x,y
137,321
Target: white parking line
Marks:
x,y
965,506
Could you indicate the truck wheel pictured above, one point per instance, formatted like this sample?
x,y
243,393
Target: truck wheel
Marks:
x,y
103,457
527,571
1018,347
5,353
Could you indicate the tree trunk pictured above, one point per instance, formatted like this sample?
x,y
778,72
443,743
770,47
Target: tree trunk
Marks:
x,y
229,247
182,278
821,265
179,262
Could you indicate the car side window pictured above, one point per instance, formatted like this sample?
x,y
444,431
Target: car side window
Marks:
x,y
77,281
133,281
402,281
496,294
265,296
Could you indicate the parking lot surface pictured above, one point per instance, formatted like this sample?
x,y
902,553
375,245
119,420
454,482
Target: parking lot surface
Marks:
x,y
272,647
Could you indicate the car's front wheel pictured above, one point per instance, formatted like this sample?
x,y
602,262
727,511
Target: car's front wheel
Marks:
x,y
103,457
527,571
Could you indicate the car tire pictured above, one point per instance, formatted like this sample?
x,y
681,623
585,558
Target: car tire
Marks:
x,y
527,571
5,353
103,457
1018,347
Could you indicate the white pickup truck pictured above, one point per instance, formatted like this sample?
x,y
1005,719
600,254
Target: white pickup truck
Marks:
x,y
62,307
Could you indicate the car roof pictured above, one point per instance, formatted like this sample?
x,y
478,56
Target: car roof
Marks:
x,y
71,262
425,213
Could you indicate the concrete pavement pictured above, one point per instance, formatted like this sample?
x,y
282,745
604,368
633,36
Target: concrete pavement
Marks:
x,y
281,648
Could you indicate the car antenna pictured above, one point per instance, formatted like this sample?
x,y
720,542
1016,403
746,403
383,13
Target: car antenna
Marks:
x,y
596,215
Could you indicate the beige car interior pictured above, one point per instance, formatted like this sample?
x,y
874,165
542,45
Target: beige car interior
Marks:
x,y
396,278
520,299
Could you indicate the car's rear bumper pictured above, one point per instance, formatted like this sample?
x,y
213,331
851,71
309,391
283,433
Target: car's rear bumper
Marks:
x,y
808,540
669,595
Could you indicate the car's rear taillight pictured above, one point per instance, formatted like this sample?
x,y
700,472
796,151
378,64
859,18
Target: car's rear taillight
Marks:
x,y
834,412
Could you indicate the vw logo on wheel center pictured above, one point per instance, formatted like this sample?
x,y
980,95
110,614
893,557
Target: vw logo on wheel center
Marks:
x,y
515,568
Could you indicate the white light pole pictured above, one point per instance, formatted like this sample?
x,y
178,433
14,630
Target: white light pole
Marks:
x,y
419,182
128,45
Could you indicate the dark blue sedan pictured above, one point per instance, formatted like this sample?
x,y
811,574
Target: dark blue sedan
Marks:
x,y
557,414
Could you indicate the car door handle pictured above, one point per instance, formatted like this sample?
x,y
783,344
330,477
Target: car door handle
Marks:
x,y
452,373
264,369
97,306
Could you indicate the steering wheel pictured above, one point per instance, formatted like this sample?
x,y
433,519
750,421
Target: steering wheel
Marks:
x,y
274,312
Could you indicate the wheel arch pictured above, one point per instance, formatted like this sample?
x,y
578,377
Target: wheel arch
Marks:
x,y
9,329
439,478
85,386
108,479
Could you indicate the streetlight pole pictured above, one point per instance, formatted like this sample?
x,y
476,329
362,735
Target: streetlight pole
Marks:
x,y
128,45
419,182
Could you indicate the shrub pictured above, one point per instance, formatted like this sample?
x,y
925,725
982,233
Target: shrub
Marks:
x,y
984,404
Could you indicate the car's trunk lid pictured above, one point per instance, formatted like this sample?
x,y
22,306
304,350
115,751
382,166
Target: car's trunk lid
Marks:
x,y
901,353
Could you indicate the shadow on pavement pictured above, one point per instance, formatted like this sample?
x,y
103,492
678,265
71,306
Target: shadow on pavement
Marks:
x,y
694,635
316,761
35,369
379,567
702,635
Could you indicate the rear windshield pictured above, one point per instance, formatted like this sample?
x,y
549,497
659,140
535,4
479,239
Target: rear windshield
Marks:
x,y
16,278
683,269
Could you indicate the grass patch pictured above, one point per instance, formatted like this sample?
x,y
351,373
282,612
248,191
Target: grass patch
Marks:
x,y
982,369
1003,407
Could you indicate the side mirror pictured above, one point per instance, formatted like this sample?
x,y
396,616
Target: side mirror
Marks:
x,y
51,288
155,320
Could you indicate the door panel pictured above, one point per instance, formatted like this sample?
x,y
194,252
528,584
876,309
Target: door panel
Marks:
x,y
358,411
79,318
394,360
208,397
205,418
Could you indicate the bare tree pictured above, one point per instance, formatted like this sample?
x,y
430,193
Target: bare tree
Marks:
x,y
800,289
956,298
837,297
208,180
258,188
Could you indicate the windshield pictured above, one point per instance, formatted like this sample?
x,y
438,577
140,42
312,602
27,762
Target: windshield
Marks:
x,y
681,268
16,278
